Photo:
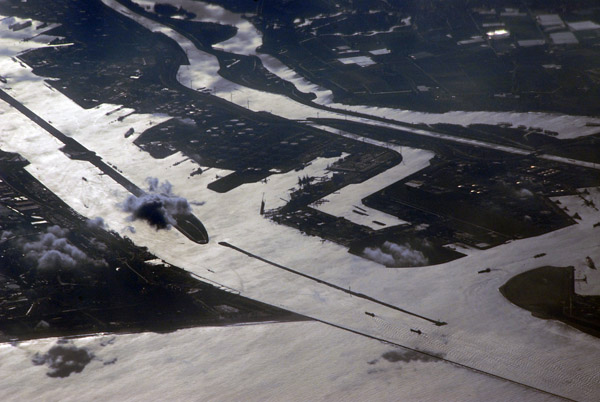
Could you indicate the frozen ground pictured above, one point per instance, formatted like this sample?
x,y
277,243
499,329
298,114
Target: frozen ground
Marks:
x,y
247,38
343,203
269,362
362,61
14,42
484,330
586,204
273,189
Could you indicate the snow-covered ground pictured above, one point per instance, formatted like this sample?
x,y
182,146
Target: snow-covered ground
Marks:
x,y
247,38
345,202
317,170
362,61
305,361
246,41
484,330
16,41
586,205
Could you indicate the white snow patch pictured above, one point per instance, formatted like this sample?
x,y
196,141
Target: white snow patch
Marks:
x,y
378,52
277,187
247,38
362,61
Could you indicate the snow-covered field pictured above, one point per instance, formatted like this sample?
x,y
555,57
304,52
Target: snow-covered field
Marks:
x,y
343,203
586,204
302,361
269,362
13,42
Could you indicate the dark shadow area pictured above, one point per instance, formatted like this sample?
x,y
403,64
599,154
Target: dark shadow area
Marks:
x,y
548,292
63,360
406,356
